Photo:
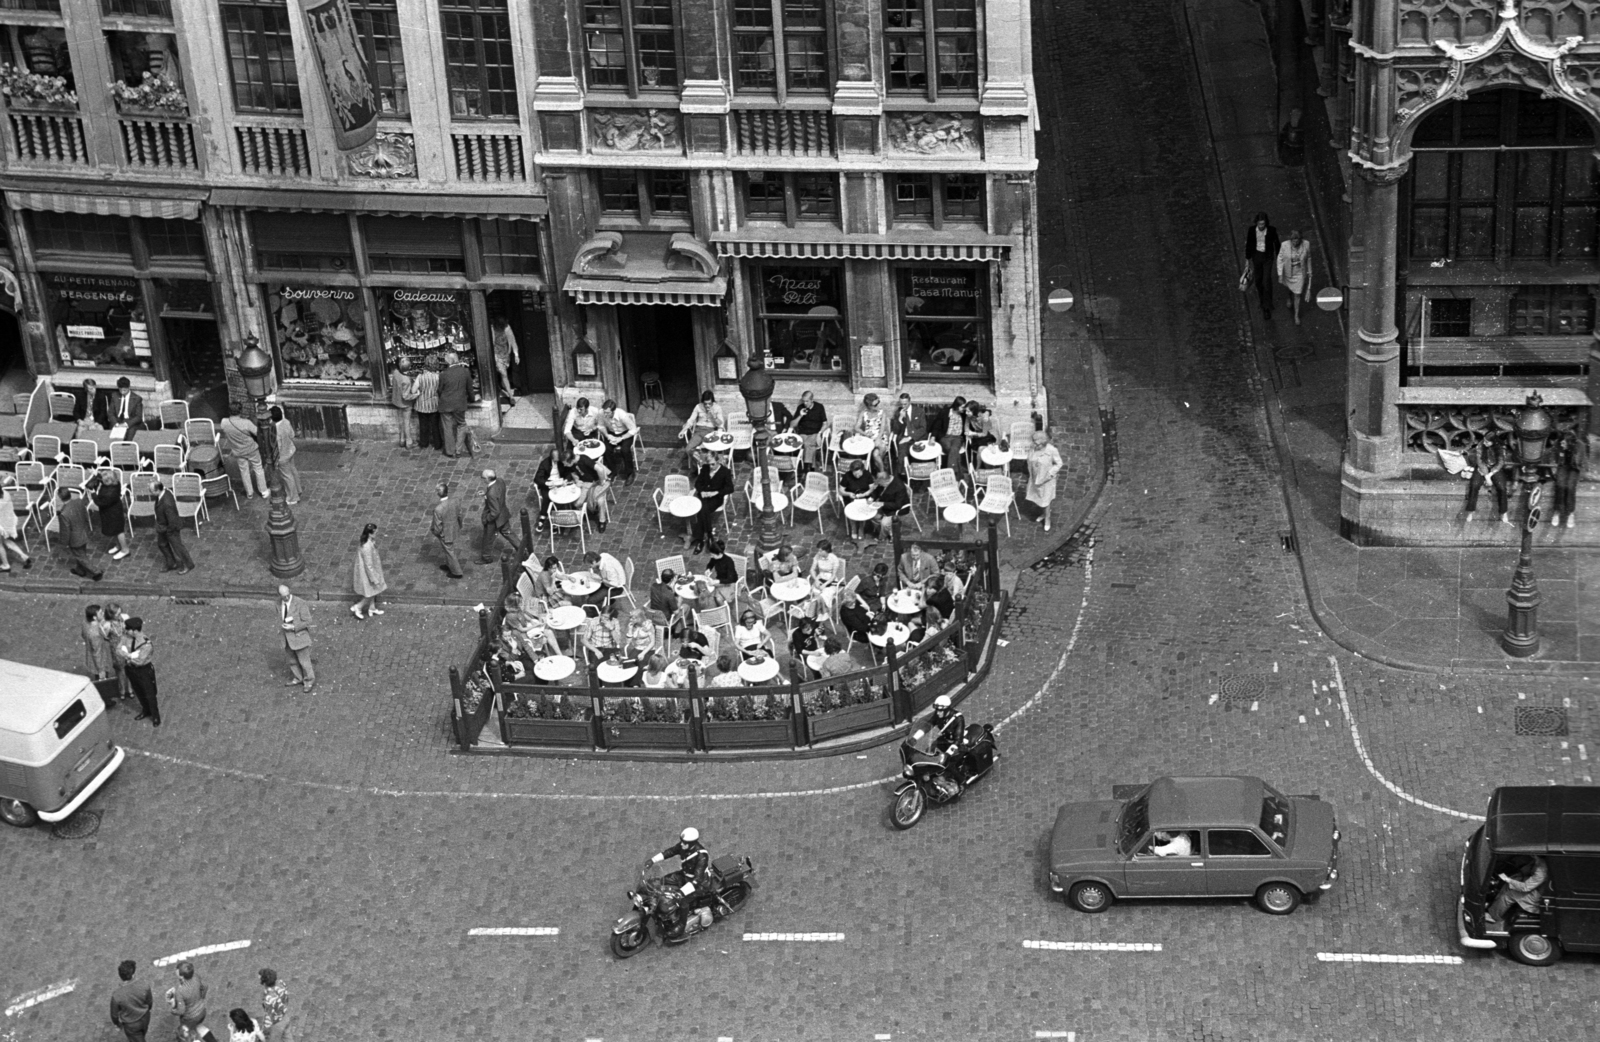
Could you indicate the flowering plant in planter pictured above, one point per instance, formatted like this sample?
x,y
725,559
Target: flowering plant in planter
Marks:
x,y
22,87
153,92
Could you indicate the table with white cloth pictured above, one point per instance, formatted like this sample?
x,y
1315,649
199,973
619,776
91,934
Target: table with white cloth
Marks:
x,y
907,601
791,591
787,444
553,669
857,446
579,585
896,633
780,502
565,618
565,495
926,451
593,448
684,506
959,514
994,456
615,673
759,672
717,441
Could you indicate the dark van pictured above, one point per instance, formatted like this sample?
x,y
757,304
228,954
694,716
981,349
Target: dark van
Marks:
x,y
1559,825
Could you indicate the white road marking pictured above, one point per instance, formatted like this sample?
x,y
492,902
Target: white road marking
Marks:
x,y
794,936
1072,642
1092,946
1434,960
514,931
881,1038
28,1000
1069,1036
210,949
1361,751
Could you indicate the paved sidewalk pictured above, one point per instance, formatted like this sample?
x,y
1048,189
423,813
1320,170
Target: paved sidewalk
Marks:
x,y
1430,608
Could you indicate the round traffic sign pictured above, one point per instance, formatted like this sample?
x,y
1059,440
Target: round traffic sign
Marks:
x,y
1330,298
1059,300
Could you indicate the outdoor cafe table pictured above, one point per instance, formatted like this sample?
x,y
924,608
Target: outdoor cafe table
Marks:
x,y
148,440
959,514
791,590
758,672
615,673
857,446
717,441
780,502
994,456
896,633
579,585
905,601
926,450
565,618
861,510
594,448
563,495
788,444
815,659
684,506
553,669
687,592
59,428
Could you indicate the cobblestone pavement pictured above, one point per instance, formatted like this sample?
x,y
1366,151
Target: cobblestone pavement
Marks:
x,y
336,834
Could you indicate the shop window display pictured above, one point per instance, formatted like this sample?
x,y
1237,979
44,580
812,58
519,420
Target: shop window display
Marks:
x,y
800,318
944,320
98,321
420,325
321,334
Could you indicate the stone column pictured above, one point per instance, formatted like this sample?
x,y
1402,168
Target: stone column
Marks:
x,y
1374,374
1005,89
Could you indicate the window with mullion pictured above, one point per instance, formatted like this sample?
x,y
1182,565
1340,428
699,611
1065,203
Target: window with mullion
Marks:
x,y
631,44
791,197
645,195
936,199
480,66
261,58
945,29
378,25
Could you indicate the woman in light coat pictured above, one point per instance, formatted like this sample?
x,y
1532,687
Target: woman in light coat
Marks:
x,y
1044,463
367,575
1294,271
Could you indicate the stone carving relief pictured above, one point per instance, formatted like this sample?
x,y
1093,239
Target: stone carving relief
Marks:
x,y
1430,21
1551,20
1417,86
388,156
933,133
635,130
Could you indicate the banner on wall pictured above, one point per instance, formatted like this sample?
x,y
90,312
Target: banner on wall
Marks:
x,y
346,73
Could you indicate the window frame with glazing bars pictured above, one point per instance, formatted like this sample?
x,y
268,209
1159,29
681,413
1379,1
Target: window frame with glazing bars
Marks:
x,y
364,12
475,13
257,61
627,33
643,191
793,197
499,231
939,213
778,35
929,36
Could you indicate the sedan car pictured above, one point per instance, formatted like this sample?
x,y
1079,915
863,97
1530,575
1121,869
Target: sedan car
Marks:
x,y
1227,836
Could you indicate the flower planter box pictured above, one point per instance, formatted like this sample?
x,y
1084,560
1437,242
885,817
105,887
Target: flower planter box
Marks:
x,y
20,105
646,736
851,719
153,112
749,734
569,734
943,682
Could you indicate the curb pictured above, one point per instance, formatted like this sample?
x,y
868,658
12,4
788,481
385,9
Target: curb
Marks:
x,y
240,592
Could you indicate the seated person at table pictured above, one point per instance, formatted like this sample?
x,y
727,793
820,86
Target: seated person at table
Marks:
x,y
618,428
707,417
594,478
640,636
980,427
91,408
721,570
713,483
664,599
936,594
807,421
893,497
582,419
917,566
548,582
695,646
751,634
602,637
827,567
755,573
613,577
854,483
854,616
955,577
804,638
541,482
727,672
533,636
706,596
930,621
656,673
125,407
785,565
837,661
875,587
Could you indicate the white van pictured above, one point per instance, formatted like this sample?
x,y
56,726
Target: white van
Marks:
x,y
55,743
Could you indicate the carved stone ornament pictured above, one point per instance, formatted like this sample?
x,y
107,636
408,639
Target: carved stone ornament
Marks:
x,y
635,130
388,156
932,133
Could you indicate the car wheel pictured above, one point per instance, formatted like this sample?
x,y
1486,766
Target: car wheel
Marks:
x,y
15,812
1277,898
1090,897
1534,949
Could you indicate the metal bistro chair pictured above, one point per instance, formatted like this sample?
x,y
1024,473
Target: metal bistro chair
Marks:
x,y
169,459
47,450
1020,440
84,452
919,472
815,494
568,519
125,456
627,590
674,563
63,405
998,497
200,431
216,487
672,487
70,476
189,491
720,617
174,413
32,479
142,496
16,500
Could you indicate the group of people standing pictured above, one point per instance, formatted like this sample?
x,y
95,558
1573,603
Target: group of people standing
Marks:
x,y
119,658
187,1001
434,397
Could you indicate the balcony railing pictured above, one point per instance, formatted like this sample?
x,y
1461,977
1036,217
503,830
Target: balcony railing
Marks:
x,y
275,151
488,157
159,144
48,137
771,132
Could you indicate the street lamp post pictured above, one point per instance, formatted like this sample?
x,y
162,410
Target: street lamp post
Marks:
x,y
1532,436
255,367
756,386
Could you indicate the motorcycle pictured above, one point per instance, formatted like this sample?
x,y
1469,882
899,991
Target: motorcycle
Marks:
x,y
933,775
658,899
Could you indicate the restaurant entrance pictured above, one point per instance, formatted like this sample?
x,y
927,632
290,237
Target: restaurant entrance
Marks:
x,y
659,338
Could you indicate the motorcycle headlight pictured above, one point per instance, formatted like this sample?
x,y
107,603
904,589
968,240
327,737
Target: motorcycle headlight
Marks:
x,y
906,771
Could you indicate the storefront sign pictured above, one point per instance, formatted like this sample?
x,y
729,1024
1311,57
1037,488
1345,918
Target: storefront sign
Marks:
x,y
346,75
87,332
315,293
418,296
109,288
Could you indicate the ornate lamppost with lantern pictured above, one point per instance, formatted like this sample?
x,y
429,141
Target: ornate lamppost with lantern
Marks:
x,y
1531,435
255,367
756,386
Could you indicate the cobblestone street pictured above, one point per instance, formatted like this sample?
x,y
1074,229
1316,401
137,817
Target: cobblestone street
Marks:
x,y
339,836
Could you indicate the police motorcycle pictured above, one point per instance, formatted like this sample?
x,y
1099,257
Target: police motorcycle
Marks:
x,y
937,772
671,907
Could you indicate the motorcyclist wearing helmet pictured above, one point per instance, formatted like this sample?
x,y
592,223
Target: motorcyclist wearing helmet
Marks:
x,y
949,726
696,862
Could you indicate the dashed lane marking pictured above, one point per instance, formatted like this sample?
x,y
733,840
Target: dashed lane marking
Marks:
x,y
514,931
210,949
1432,960
1361,751
1068,1035
29,999
794,936
1092,946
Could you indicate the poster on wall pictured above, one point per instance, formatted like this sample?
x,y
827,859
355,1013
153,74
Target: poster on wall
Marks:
x,y
346,74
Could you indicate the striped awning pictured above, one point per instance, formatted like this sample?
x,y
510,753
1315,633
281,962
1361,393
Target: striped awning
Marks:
x,y
620,291
385,204
106,205
862,249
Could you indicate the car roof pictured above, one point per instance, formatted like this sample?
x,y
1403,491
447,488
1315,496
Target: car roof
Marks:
x,y
1190,802
32,696
1534,819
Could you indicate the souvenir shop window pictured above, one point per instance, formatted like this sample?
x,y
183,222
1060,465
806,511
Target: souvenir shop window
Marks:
x,y
174,239
98,321
419,325
147,78
302,242
80,233
321,334
36,67
799,317
414,245
944,320
509,247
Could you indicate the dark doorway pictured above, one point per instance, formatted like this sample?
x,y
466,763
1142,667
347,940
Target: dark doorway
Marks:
x,y
524,311
194,357
659,338
14,378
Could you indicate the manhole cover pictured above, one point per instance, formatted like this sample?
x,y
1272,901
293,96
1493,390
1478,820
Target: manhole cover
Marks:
x,y
1243,687
81,825
1541,720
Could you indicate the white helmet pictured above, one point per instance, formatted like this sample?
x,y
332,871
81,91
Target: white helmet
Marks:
x,y
690,836
942,703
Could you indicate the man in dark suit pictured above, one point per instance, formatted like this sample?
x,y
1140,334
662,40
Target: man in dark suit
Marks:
x,y
91,408
130,1003
1261,259
446,528
72,517
125,407
455,388
169,530
713,483
893,498
496,516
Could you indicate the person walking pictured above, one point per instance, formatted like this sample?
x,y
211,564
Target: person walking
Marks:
x,y
188,1001
106,488
9,530
368,575
1044,463
1294,270
1261,246
496,516
98,660
241,1028
1572,455
295,621
425,398
130,1003
288,469
446,528
169,531
403,397
455,386
238,436
506,355
72,516
275,1018
136,656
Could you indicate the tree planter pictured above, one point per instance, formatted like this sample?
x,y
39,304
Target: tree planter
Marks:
x,y
647,736
851,719
749,734
574,734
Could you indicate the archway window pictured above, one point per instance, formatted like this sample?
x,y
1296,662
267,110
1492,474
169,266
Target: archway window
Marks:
x,y
1503,176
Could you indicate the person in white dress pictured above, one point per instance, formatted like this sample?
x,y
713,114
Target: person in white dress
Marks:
x,y
1294,271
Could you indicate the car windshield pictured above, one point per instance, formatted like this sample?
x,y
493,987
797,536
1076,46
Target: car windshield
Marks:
x,y
1275,816
1134,822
